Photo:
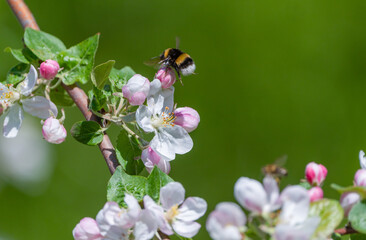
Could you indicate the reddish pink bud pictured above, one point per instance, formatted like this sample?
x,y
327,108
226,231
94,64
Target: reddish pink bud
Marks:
x,y
315,173
87,229
53,131
187,117
166,75
136,90
49,69
315,194
348,199
360,178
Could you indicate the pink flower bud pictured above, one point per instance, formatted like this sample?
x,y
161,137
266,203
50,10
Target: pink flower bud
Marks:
x,y
53,131
136,89
87,229
315,194
315,173
360,178
348,199
150,158
49,69
166,75
187,117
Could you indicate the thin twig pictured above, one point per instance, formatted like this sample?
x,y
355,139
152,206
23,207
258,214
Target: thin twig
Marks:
x,y
26,19
346,230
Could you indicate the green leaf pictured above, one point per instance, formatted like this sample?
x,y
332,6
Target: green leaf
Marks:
x,y
130,153
122,183
357,217
331,215
101,73
120,77
17,73
43,45
305,185
156,180
18,54
87,132
360,190
97,99
78,61
60,97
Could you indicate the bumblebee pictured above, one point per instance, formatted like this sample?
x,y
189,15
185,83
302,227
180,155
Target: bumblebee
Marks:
x,y
175,58
276,169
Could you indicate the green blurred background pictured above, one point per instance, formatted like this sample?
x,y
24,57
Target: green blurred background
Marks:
x,y
274,78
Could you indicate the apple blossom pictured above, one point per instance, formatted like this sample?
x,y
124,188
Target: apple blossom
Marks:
x,y
362,159
136,89
166,76
87,229
360,178
49,69
114,221
175,213
187,117
315,173
150,159
255,197
53,131
169,139
36,106
315,194
348,199
226,222
294,222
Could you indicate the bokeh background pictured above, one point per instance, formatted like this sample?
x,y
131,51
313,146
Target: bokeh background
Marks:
x,y
274,78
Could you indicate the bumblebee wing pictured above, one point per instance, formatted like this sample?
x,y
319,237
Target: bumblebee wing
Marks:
x,y
281,160
153,62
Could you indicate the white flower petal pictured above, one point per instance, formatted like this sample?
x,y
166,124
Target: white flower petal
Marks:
x,y
29,82
106,217
186,229
134,208
171,140
167,93
220,229
158,211
39,107
172,194
146,227
362,159
250,194
225,222
271,188
296,202
13,121
128,218
302,231
143,118
192,209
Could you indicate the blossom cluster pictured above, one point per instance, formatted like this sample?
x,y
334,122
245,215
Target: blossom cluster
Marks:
x,y
173,214
228,221
350,198
14,100
159,116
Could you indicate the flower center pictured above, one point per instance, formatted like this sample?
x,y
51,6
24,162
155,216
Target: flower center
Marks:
x,y
165,119
8,96
172,213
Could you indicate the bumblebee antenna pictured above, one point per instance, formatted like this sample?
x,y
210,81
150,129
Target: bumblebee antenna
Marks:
x,y
177,42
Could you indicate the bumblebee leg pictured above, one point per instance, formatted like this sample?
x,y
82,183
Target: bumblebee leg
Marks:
x,y
179,76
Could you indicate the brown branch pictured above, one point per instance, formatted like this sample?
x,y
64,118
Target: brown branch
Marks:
x,y
26,19
346,230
